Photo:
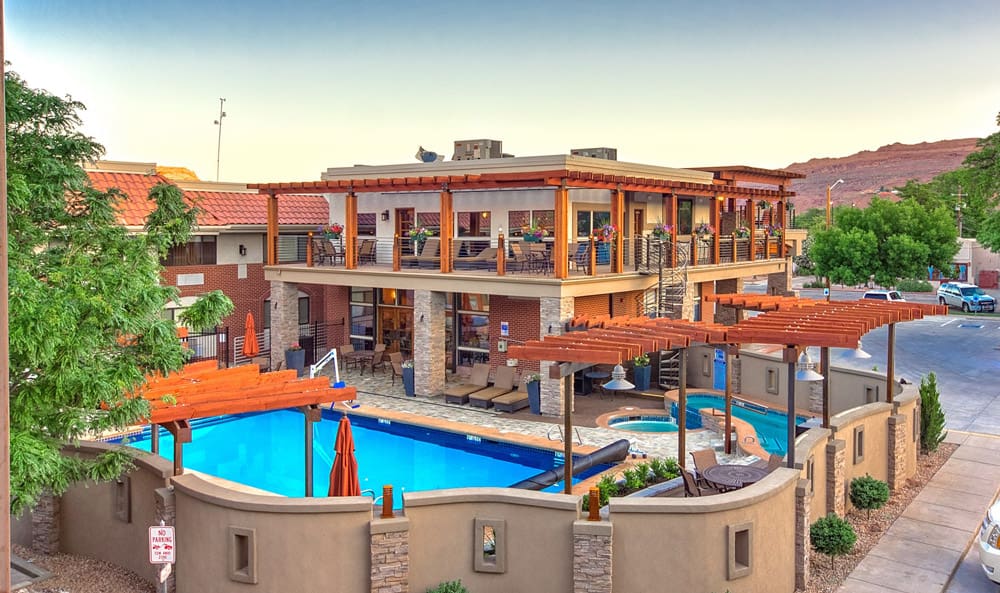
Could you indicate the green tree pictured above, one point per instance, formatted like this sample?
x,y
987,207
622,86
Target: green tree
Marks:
x,y
868,493
85,299
888,240
932,430
832,536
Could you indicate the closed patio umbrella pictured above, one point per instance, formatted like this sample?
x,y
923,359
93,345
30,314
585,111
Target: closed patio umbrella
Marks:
x,y
344,473
250,346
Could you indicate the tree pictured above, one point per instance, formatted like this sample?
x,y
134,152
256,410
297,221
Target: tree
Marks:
x,y
206,312
888,240
85,299
868,493
932,430
832,536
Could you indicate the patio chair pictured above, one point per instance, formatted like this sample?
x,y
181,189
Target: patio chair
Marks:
x,y
582,257
366,252
479,379
337,252
377,362
395,357
397,370
704,459
503,384
319,254
520,257
770,464
693,488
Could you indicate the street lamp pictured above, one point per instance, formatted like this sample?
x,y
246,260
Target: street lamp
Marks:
x,y
828,190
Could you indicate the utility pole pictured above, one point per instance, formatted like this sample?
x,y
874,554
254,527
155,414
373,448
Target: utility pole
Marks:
x,y
218,147
959,204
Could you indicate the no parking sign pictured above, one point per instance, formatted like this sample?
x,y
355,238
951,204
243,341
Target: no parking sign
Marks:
x,y
161,544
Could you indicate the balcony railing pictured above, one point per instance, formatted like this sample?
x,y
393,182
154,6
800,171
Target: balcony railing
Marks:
x,y
483,255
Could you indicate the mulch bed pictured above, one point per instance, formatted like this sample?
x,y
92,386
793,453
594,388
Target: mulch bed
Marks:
x,y
823,578
76,574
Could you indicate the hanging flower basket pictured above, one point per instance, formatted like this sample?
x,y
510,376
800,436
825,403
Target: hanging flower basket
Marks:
x,y
606,233
533,234
742,232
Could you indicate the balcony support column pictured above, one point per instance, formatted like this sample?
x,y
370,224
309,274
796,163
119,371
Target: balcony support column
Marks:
x,y
351,231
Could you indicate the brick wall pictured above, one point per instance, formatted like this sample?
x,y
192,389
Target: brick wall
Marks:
x,y
523,321
596,304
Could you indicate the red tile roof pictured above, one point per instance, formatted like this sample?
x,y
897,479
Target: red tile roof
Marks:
x,y
219,208
246,208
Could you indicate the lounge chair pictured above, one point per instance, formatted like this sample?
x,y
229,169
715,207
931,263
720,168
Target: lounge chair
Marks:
x,y
511,402
692,488
484,260
520,258
430,253
479,379
503,384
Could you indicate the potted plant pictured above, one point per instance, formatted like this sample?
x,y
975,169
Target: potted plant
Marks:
x,y
641,371
606,233
408,378
419,234
332,232
295,358
533,234
533,382
662,231
742,232
704,231
774,230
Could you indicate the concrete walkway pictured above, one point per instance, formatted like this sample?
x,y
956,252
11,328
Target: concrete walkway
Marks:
x,y
922,550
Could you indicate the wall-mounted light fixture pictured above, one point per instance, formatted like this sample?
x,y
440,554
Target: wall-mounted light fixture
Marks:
x,y
243,249
385,215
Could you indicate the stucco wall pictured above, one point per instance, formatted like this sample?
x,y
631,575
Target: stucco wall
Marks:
x,y
907,403
810,448
89,526
682,544
873,418
299,542
539,533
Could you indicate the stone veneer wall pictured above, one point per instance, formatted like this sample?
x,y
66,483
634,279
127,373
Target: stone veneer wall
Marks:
x,y
284,319
554,313
897,451
429,342
836,468
45,524
166,512
592,566
780,283
803,509
724,314
390,555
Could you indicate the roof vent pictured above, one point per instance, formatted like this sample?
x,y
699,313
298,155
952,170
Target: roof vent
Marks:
x,y
470,150
601,152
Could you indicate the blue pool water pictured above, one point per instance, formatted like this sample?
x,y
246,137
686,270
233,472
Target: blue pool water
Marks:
x,y
267,450
771,427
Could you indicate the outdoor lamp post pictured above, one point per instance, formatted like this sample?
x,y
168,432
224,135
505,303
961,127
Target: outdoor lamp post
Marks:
x,y
829,189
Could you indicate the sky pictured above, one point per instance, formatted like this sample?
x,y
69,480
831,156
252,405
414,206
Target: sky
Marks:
x,y
312,84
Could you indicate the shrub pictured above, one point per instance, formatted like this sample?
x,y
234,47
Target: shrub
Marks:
x,y
815,284
832,536
635,477
869,493
914,285
449,587
665,469
932,430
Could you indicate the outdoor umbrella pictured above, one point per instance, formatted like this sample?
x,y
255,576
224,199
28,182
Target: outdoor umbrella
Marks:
x,y
250,346
344,473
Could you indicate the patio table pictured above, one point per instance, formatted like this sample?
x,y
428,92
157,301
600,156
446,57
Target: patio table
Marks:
x,y
732,475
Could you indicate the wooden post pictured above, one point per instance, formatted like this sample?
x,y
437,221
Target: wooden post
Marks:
x,y
447,202
618,219
351,231
272,229
717,225
594,503
309,250
395,253
593,256
560,246
501,256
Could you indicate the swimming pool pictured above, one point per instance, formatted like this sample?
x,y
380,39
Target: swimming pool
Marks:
x,y
771,425
267,451
643,422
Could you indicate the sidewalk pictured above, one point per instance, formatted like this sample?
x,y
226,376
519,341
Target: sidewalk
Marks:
x,y
923,548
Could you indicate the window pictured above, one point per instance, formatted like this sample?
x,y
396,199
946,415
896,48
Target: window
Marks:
x,y
198,251
473,328
587,221
430,221
859,444
871,394
303,312
490,553
771,380
242,555
685,216
474,224
740,550
362,318
519,219
366,224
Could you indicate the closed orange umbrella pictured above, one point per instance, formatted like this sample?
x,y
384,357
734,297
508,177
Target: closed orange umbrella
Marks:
x,y
250,346
344,473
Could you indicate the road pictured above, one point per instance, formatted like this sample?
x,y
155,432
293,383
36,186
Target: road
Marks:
x,y
963,352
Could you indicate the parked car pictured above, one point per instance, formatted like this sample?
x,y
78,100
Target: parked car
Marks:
x,y
967,297
989,544
884,295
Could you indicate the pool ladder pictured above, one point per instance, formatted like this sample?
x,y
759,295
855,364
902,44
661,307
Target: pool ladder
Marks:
x,y
376,500
579,439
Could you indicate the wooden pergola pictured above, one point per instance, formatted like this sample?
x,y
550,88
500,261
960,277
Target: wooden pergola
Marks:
x,y
792,322
202,390
723,187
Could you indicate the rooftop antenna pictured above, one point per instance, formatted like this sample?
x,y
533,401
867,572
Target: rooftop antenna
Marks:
x,y
218,147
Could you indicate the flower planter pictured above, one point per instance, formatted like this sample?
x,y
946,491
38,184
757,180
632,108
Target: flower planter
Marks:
x,y
641,377
535,397
531,238
408,381
296,359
